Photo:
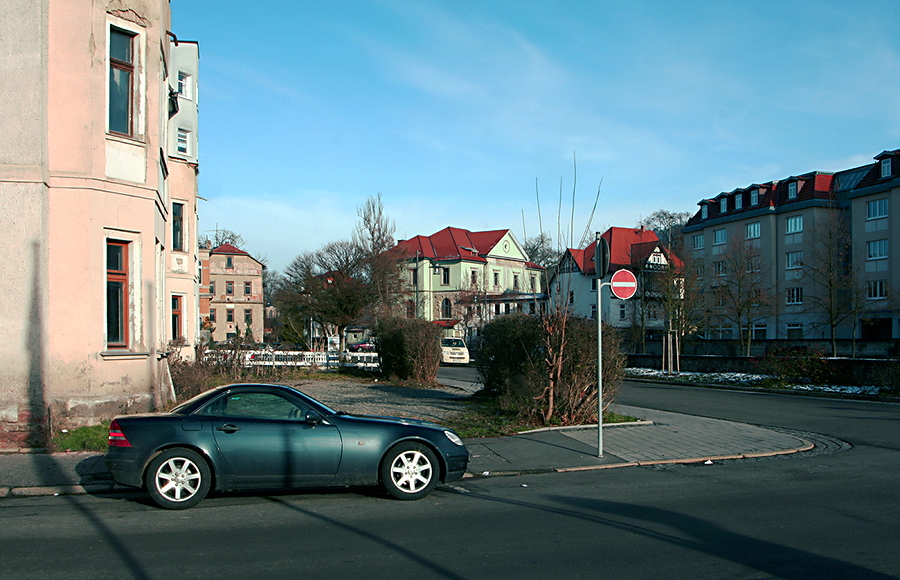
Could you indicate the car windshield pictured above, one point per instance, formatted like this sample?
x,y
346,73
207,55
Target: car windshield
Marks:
x,y
455,342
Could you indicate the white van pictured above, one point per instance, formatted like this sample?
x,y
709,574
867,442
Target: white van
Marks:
x,y
454,351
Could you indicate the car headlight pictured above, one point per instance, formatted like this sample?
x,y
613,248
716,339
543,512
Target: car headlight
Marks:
x,y
453,437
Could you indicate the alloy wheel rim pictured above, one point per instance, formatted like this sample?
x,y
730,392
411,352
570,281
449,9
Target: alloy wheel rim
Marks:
x,y
411,471
178,479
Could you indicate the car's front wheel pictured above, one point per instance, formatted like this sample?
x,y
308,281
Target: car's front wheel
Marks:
x,y
178,479
409,471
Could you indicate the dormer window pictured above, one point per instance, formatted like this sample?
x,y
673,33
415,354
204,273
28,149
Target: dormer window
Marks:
x,y
886,167
723,205
754,197
792,190
738,201
704,211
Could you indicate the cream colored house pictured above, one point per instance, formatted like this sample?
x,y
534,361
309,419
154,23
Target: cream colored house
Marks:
x,y
89,185
236,293
461,279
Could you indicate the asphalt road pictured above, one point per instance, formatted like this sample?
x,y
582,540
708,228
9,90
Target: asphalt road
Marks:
x,y
821,514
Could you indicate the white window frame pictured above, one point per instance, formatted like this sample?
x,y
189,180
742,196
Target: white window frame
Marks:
x,y
876,289
183,141
754,197
720,236
877,250
185,85
723,205
794,295
793,260
886,167
792,190
877,209
698,241
753,230
738,201
794,224
704,211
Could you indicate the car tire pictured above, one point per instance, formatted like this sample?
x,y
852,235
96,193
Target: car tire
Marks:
x,y
178,479
409,471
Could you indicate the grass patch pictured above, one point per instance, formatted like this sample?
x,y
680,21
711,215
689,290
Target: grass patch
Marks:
x,y
93,438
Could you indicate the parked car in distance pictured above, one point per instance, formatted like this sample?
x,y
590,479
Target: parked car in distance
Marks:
x,y
454,351
255,436
365,346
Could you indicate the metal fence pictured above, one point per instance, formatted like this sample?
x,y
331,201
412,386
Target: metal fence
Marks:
x,y
269,358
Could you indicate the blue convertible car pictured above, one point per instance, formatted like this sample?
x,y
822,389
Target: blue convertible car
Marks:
x,y
273,436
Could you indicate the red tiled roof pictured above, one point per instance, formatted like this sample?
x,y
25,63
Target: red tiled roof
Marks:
x,y
626,245
452,243
228,249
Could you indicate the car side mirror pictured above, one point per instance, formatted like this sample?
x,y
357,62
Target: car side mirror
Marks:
x,y
313,418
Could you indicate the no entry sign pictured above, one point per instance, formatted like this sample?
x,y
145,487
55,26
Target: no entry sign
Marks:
x,y
623,284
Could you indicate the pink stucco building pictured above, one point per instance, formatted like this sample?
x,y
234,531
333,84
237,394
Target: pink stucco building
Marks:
x,y
98,204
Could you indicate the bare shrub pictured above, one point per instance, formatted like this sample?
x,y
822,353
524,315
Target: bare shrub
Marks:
x,y
409,349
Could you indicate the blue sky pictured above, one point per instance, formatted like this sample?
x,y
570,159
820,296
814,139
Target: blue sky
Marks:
x,y
456,112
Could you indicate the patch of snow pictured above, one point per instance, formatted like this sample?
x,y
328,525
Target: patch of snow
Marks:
x,y
742,379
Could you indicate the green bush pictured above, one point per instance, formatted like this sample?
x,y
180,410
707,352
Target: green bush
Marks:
x,y
544,368
409,349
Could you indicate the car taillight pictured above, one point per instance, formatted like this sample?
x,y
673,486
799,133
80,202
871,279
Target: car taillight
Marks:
x,y
116,436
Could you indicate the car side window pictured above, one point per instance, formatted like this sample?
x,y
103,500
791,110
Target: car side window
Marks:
x,y
256,406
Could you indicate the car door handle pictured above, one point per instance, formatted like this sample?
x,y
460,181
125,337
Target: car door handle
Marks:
x,y
229,428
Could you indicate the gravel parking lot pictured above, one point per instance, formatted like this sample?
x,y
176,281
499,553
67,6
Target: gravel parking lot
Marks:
x,y
374,398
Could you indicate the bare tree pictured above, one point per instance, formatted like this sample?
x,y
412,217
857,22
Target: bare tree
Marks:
x,y
667,225
540,250
740,286
837,292
225,236
374,238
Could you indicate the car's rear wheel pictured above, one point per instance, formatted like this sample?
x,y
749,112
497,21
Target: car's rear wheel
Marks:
x,y
409,471
178,479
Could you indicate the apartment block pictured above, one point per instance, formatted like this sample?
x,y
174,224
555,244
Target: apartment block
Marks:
x,y
234,293
818,247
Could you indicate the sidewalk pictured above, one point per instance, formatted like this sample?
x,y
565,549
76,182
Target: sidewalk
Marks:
x,y
661,437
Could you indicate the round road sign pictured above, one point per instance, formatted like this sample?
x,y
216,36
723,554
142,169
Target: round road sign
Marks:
x,y
623,284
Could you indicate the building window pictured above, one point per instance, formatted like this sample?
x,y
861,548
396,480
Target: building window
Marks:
x,y
754,197
876,289
623,314
793,260
792,190
116,294
704,211
516,282
653,312
177,332
473,277
593,284
593,312
447,308
738,201
496,279
754,264
534,283
720,268
212,314
445,276
121,80
248,316
414,276
886,167
183,142
719,237
794,224
229,315
759,332
752,230
507,308
248,288
178,226
795,331
229,262
212,287
723,205
184,85
229,288
794,296
877,250
876,209
698,241
496,309
571,297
